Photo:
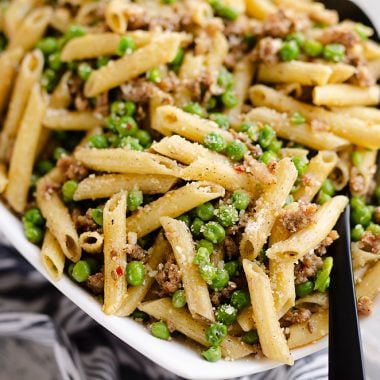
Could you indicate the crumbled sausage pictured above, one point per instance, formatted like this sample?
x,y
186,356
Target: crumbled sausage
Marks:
x,y
376,215
365,305
300,218
138,90
370,242
218,297
362,77
83,223
307,267
266,50
297,316
326,242
169,276
340,34
231,248
135,252
72,168
102,104
95,283
357,182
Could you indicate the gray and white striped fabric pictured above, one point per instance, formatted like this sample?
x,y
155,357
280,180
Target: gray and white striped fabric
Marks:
x,y
44,336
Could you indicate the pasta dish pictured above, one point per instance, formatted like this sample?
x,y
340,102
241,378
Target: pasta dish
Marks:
x,y
184,161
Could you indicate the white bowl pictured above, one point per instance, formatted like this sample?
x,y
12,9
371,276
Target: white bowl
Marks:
x,y
174,356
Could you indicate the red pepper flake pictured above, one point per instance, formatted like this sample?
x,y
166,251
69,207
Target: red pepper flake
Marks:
x,y
240,168
119,271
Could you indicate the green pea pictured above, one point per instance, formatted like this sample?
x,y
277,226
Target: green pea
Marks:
x,y
211,103
232,267
168,1
98,142
195,109
154,75
334,52
377,194
102,61
212,354
179,299
178,59
74,31
240,299
301,164
126,46
289,51
361,31
81,271
206,244
34,216
224,11
185,218
268,157
126,126
297,118
266,136
59,152
197,226
134,199
227,215
357,232
328,187
144,137
357,158
225,79
229,99
130,143
323,276
298,37
312,48
207,272
275,146
322,198
84,71
140,315
68,190
250,337
214,232
49,80
205,211
220,279
221,119
202,256
361,216
236,150
240,200
374,228
48,45
304,289
216,333
246,125
118,108
33,233
160,330
130,108
214,141
44,166
357,202
97,216
226,314
135,273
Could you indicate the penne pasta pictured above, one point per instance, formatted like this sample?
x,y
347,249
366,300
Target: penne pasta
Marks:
x,y
52,256
3,178
61,96
174,203
260,9
369,286
341,72
245,319
369,114
91,242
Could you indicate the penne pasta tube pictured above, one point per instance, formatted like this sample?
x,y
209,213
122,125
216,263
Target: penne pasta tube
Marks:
x,y
60,19
120,160
32,29
369,114
200,12
52,256
360,257
319,168
272,339
91,242
57,216
115,261
170,119
24,151
61,119
302,134
371,50
260,9
29,74
222,173
341,72
369,286
136,294
374,68
346,95
61,96
302,241
96,45
245,319
316,298
316,328
115,16
160,50
3,178
183,322
9,61
218,51
267,207
305,73
174,203
104,186
354,130
197,295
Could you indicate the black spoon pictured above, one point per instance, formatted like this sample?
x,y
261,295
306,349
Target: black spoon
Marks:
x,y
345,351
